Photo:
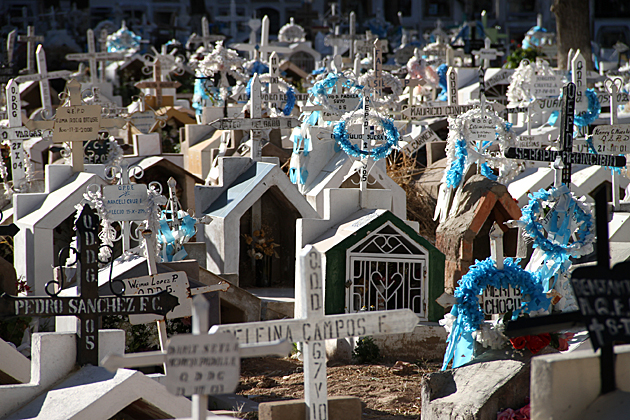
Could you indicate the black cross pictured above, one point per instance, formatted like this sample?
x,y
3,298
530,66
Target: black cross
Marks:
x,y
8,230
602,296
88,306
566,153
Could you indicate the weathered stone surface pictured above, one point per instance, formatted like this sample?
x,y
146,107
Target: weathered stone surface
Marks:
x,y
339,351
339,408
476,391
427,341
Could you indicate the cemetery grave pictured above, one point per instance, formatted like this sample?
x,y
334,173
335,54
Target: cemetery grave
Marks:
x,y
417,190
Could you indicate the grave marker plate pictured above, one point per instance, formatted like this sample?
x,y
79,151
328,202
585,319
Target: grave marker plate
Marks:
x,y
126,202
481,128
343,102
254,123
77,123
545,86
427,136
174,283
198,364
500,301
143,121
612,138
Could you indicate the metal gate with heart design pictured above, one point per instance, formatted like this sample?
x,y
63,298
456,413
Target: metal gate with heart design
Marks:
x,y
387,270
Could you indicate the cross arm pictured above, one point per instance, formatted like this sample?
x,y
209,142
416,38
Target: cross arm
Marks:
x,y
114,361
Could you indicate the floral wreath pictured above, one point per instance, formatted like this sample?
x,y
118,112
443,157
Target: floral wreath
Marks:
x,y
520,88
389,130
467,315
322,88
557,253
461,153
387,101
283,85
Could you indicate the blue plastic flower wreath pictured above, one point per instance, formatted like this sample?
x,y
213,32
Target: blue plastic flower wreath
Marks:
x,y
391,133
467,310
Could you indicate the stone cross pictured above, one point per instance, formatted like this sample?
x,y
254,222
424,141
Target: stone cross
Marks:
x,y
487,53
16,134
263,48
157,83
93,57
256,124
313,327
233,18
565,157
43,76
213,379
88,306
76,123
31,41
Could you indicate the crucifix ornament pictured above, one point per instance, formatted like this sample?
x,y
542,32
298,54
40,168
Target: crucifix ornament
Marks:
x,y
88,307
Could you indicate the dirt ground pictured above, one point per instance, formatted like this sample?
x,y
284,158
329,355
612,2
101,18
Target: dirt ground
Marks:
x,y
384,393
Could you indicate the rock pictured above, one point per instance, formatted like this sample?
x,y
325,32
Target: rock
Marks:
x,y
477,391
338,351
403,368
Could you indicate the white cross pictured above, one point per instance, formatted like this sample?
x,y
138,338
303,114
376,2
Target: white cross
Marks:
x,y
93,57
487,53
15,133
263,48
451,87
68,126
206,38
178,381
43,76
313,327
256,124
233,18
274,76
578,76
31,40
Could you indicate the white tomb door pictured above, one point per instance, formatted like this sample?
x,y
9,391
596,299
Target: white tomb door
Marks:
x,y
387,270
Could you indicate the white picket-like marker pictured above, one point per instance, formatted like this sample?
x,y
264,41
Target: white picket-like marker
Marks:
x,y
15,133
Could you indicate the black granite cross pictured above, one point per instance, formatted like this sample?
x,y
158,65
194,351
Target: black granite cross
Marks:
x,y
88,306
566,153
603,296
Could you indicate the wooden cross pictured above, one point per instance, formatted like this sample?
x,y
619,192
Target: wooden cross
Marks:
x,y
43,76
88,306
313,327
31,41
602,296
16,134
191,378
451,87
76,123
565,157
274,77
256,124
93,57
233,18
578,77
157,83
